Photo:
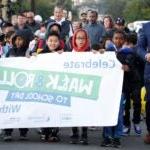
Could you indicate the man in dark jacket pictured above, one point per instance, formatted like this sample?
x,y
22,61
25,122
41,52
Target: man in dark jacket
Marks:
x,y
31,22
144,52
22,25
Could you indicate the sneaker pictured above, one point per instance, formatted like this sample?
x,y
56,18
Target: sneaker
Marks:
x,y
126,130
116,143
7,138
43,137
84,141
107,142
147,139
54,139
137,129
74,139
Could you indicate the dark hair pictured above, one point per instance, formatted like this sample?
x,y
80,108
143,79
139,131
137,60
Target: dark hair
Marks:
x,y
110,19
9,34
131,38
89,10
59,6
2,37
96,47
83,13
49,26
6,24
94,12
21,14
120,32
53,34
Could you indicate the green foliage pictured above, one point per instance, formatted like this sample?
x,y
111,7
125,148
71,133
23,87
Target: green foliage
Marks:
x,y
137,10
130,9
45,7
114,7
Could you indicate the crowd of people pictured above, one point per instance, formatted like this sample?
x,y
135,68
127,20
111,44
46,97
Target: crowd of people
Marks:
x,y
29,36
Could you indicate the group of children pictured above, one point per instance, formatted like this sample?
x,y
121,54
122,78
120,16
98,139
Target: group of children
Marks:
x,y
125,50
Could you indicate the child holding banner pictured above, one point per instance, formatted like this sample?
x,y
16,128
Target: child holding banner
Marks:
x,y
112,135
80,43
53,44
20,43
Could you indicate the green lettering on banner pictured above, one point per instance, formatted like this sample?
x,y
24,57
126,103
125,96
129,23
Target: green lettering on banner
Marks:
x,y
77,85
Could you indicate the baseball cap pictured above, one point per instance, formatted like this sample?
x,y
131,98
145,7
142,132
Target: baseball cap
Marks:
x,y
120,21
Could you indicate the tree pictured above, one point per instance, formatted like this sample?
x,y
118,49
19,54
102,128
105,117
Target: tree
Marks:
x,y
112,7
45,7
137,10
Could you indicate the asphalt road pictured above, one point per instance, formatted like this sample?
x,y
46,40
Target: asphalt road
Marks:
x,y
131,142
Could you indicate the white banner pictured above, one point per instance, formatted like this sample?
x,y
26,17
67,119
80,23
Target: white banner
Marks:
x,y
60,90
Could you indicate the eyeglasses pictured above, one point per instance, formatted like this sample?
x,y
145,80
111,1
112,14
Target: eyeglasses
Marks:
x,y
81,38
30,17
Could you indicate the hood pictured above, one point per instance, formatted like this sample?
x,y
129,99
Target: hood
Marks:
x,y
74,45
23,34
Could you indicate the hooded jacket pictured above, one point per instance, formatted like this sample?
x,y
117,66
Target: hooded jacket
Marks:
x,y
86,47
65,27
17,52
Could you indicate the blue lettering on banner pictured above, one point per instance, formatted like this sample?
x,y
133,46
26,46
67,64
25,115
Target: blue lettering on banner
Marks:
x,y
50,98
94,64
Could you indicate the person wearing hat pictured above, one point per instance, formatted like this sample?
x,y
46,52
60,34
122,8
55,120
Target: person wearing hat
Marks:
x,y
120,25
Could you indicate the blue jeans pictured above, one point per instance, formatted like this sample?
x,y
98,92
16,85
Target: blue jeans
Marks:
x,y
116,131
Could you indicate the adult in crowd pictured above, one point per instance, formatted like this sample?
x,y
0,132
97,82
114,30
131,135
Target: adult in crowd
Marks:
x,y
144,52
22,25
83,19
94,29
120,25
108,25
66,27
31,22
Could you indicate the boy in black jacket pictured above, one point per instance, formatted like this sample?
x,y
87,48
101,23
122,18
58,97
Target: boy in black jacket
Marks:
x,y
132,83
